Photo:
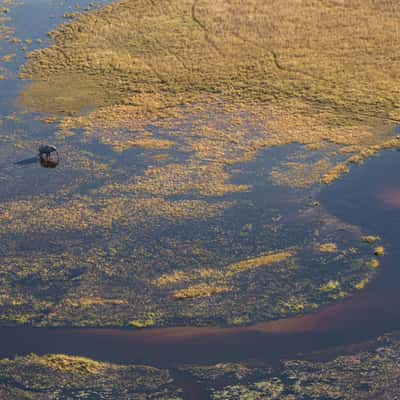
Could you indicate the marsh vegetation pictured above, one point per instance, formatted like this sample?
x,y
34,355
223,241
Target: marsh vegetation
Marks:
x,y
145,232
195,137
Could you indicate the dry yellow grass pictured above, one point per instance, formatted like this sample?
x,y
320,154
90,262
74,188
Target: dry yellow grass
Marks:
x,y
172,278
379,250
6,30
329,286
373,263
328,248
176,179
95,301
334,174
179,179
147,144
302,74
370,239
201,290
179,47
8,57
66,363
261,261
300,174
177,277
216,281
41,215
361,285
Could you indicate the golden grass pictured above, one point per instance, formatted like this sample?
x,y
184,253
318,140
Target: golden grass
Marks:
x,y
172,278
66,363
370,239
359,158
149,320
94,301
8,57
335,173
300,174
261,261
300,73
328,248
373,263
147,144
176,179
215,281
379,250
179,47
177,277
362,284
230,78
329,286
6,31
200,290
85,213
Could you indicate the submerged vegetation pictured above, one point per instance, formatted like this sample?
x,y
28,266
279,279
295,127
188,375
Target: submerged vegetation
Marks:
x,y
361,375
328,248
163,244
379,250
161,247
369,371
151,220
199,281
194,136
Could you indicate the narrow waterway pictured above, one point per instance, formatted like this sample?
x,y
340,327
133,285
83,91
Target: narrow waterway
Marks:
x,y
362,198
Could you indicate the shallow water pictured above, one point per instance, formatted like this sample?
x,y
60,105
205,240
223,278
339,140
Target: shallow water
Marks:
x,y
368,197
363,316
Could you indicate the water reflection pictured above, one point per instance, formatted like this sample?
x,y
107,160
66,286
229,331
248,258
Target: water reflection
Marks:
x,y
44,162
390,197
49,163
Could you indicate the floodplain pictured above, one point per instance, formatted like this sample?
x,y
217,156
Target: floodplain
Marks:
x,y
219,212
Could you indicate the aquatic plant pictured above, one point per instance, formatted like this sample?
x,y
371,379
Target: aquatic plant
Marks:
x,y
261,261
361,285
172,218
328,248
368,372
62,376
379,250
329,286
374,263
8,57
201,290
146,322
370,239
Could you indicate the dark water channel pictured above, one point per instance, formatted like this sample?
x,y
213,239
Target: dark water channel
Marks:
x,y
365,197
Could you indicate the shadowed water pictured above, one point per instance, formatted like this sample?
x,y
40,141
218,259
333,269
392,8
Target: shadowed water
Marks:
x,y
365,315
